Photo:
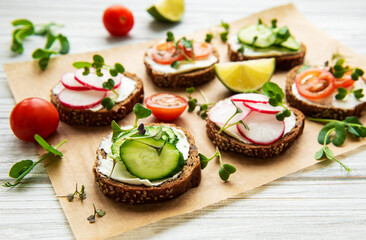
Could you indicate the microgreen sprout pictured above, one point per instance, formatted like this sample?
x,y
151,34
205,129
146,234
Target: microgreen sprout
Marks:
x,y
237,111
274,23
55,43
224,34
169,36
81,195
193,103
225,169
97,212
209,37
276,96
342,93
20,169
338,70
241,49
351,125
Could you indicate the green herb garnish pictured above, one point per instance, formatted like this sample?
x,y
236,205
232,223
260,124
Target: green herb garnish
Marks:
x,y
223,35
237,111
55,43
274,23
81,195
225,170
342,93
351,125
169,37
99,213
276,97
20,169
193,103
209,37
338,70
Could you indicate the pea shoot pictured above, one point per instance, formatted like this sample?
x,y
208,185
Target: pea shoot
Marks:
x,y
193,103
335,131
55,43
225,169
21,169
276,98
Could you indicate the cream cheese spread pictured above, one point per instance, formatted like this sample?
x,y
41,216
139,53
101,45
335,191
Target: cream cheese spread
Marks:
x,y
349,102
124,90
120,172
186,67
258,52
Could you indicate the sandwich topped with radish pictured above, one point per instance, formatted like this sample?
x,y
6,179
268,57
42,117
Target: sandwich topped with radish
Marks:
x,y
333,91
95,94
255,124
180,63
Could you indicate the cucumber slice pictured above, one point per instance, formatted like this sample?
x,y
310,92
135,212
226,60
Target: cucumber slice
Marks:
x,y
118,142
168,133
264,34
291,43
144,161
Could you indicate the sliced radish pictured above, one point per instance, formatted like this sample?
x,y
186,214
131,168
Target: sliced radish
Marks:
x,y
263,107
250,97
223,110
94,82
80,99
68,80
264,129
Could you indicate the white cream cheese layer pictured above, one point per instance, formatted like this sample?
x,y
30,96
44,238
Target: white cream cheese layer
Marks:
x,y
258,52
124,90
290,123
120,172
186,67
350,101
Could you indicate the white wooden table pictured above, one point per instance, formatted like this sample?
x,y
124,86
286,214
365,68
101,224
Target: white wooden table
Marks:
x,y
318,202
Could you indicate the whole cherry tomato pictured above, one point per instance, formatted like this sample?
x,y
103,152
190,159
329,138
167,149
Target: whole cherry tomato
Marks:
x,y
33,116
166,106
118,20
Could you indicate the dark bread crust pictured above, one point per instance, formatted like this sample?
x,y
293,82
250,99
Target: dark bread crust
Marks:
x,y
317,110
284,62
136,194
227,143
102,116
182,80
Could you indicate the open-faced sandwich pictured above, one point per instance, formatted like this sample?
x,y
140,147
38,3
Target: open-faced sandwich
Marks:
x,y
146,164
181,63
262,41
248,124
327,92
95,94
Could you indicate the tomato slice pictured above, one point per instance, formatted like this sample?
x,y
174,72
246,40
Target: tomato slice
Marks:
x,y
166,106
200,50
166,53
315,83
345,81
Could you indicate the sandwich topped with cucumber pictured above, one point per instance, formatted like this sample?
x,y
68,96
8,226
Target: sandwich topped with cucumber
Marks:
x,y
147,163
263,41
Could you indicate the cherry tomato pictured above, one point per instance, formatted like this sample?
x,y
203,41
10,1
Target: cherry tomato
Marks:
x,y
118,20
166,53
315,83
33,116
345,81
166,106
201,50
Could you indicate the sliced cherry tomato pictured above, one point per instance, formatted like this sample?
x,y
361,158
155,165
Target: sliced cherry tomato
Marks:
x,y
345,81
33,116
118,20
166,53
315,83
166,106
201,50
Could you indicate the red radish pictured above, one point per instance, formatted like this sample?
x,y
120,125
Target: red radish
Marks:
x,y
264,129
94,82
80,99
263,107
223,110
250,97
68,80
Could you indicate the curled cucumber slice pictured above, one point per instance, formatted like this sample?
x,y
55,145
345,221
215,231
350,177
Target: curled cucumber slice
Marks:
x,y
257,35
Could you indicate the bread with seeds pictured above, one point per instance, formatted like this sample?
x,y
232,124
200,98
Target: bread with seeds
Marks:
x,y
123,186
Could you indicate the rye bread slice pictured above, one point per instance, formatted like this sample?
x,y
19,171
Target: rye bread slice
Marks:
x,y
102,116
317,110
139,194
182,80
284,62
228,143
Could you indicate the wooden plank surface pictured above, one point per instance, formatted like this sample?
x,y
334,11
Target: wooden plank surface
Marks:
x,y
319,202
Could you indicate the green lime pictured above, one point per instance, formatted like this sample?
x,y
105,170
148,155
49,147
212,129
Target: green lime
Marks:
x,y
167,10
245,75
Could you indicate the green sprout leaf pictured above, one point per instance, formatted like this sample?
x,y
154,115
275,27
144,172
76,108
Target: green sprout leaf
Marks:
x,y
109,84
274,23
119,67
190,90
342,93
203,160
108,103
319,155
82,65
358,93
169,36
18,168
223,36
140,112
46,146
175,64
209,37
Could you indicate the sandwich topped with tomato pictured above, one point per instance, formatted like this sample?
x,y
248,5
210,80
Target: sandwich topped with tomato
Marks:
x,y
180,63
327,92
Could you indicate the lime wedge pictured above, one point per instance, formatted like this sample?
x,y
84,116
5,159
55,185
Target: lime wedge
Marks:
x,y
246,75
167,10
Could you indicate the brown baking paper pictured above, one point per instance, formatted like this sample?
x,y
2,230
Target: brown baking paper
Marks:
x,y
26,80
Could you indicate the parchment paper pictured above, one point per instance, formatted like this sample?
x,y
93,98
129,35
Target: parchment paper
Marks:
x,y
26,80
